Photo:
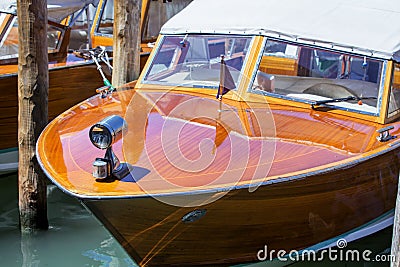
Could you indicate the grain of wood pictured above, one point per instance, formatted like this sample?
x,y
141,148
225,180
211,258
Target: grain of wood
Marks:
x,y
126,47
33,87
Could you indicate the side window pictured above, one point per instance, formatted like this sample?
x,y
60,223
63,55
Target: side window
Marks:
x,y
79,38
9,47
394,99
160,12
53,38
107,19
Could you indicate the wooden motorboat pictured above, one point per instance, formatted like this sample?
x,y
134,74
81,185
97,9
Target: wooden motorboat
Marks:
x,y
243,131
65,65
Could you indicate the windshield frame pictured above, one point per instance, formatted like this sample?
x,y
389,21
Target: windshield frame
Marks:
x,y
146,71
58,41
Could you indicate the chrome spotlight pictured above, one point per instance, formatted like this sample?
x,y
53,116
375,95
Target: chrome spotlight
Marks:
x,y
103,135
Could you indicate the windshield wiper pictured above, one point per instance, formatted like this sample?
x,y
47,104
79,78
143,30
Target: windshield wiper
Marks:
x,y
341,99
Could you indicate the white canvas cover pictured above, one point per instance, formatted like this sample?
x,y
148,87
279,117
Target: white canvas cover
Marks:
x,y
369,27
6,5
57,9
60,9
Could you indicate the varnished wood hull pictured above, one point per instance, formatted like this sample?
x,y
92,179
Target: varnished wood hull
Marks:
x,y
328,176
286,215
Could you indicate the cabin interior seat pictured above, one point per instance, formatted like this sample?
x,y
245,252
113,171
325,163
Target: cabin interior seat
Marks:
x,y
198,52
264,82
330,88
394,101
78,39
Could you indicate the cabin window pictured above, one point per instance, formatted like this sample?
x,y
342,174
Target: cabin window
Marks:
x,y
81,21
194,60
394,99
307,74
160,12
105,25
9,36
9,42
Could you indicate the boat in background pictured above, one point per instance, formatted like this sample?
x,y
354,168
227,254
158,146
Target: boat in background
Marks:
x,y
243,131
154,14
71,68
70,78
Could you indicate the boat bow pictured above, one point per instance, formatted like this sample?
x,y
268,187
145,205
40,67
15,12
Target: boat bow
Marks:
x,y
183,143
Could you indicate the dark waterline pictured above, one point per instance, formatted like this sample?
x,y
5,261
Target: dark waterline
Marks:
x,y
75,238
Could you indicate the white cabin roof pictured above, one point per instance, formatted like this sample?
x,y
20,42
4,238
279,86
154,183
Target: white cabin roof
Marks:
x,y
368,27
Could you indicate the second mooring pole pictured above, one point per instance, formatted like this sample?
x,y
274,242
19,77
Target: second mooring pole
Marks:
x,y
126,47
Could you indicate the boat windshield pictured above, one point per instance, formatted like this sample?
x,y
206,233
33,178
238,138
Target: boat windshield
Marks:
x,y
194,60
312,75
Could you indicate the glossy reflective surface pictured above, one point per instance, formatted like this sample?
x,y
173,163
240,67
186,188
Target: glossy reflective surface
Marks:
x,y
181,142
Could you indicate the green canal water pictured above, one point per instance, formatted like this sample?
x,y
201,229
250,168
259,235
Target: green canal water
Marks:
x,y
75,238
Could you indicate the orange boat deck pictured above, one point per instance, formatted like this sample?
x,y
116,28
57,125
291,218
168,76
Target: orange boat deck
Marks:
x,y
217,150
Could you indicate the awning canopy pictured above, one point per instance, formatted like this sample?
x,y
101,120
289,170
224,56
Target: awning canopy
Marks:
x,y
57,9
369,27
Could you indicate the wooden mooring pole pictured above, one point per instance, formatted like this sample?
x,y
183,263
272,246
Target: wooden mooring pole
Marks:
x,y
126,41
33,87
